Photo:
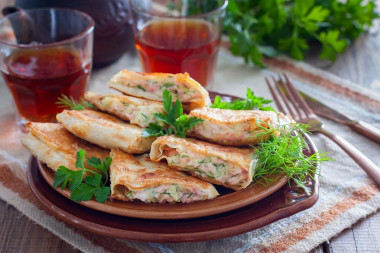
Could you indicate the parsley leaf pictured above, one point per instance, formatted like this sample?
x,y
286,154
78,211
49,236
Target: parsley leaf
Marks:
x,y
153,130
252,102
92,185
70,103
175,121
265,27
331,44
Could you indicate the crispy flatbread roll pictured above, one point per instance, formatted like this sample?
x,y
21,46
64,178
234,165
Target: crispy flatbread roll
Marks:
x,y
137,111
227,166
105,130
52,144
138,178
234,128
151,85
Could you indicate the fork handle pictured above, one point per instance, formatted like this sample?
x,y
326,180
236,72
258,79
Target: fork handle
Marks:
x,y
372,170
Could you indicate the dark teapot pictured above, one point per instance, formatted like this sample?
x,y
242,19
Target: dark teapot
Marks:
x,y
113,32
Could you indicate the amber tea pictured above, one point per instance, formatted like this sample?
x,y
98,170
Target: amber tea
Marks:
x,y
37,78
177,46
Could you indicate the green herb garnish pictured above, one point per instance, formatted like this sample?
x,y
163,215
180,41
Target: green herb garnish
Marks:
x,y
252,102
92,185
175,122
140,87
71,103
257,28
282,153
166,85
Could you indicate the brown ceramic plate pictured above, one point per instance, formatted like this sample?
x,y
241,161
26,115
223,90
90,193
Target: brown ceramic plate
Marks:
x,y
212,222
227,201
285,202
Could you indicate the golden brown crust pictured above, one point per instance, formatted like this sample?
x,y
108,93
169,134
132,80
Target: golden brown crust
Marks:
x,y
63,143
105,130
206,148
130,83
226,116
137,176
139,173
94,99
234,128
236,159
94,116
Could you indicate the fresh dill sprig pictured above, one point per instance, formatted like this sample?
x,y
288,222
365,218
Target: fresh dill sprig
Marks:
x,y
70,103
283,153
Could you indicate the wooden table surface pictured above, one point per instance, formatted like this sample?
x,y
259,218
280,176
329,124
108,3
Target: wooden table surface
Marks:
x,y
360,64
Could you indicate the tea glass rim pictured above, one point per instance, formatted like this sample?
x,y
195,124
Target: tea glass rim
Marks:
x,y
221,8
88,30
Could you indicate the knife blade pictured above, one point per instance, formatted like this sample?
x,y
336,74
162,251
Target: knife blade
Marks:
x,y
361,127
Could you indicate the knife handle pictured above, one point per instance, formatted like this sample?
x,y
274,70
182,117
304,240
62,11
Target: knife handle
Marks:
x,y
366,129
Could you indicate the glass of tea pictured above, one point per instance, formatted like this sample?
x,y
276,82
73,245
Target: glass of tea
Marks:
x,y
176,36
44,54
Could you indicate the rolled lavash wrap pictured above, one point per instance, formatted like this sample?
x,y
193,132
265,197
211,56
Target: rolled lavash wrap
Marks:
x,y
138,178
137,111
105,130
235,128
151,85
53,145
228,166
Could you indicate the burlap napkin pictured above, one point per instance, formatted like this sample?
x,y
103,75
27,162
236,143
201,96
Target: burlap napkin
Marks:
x,y
346,193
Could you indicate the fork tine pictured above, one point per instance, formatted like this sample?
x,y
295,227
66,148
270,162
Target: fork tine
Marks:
x,y
285,100
289,94
297,96
275,97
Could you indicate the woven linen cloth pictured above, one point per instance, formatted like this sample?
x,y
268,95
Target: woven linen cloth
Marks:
x,y
346,193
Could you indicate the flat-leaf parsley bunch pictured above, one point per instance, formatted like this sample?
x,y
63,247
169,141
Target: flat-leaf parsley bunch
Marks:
x,y
251,102
265,27
173,121
92,185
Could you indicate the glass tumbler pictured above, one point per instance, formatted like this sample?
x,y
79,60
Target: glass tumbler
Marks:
x,y
176,36
44,54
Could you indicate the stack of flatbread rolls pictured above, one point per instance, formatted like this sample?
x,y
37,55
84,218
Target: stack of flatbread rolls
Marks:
x,y
165,169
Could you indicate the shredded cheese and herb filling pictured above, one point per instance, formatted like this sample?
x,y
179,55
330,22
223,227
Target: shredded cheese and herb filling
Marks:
x,y
167,193
137,111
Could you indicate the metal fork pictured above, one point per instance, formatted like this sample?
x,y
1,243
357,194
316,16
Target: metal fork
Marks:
x,y
293,104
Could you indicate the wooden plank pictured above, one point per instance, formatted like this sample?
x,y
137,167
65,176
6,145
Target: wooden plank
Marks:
x,y
363,237
19,234
319,249
367,234
323,248
344,242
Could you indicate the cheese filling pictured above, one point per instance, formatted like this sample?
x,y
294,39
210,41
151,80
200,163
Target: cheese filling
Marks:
x,y
178,91
168,193
140,115
226,132
210,167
